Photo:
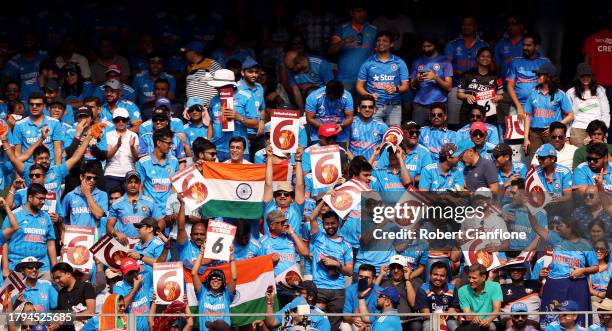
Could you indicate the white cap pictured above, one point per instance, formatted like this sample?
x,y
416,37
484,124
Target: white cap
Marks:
x,y
223,77
121,112
398,259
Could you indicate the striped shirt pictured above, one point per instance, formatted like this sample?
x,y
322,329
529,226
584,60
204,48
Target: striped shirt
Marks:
x,y
197,82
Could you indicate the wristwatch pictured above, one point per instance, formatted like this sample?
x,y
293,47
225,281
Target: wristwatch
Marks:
x,y
140,257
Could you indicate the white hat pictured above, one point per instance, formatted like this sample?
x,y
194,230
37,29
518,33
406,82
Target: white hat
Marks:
x,y
121,112
398,259
223,77
28,260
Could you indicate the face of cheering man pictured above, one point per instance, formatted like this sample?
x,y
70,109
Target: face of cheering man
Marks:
x,y
198,234
367,108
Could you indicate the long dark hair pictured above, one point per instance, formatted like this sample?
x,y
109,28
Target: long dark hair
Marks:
x,y
77,89
579,88
553,86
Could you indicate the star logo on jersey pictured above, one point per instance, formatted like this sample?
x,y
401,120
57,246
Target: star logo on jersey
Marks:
x,y
153,172
144,209
376,78
394,67
28,132
51,176
42,221
445,300
43,296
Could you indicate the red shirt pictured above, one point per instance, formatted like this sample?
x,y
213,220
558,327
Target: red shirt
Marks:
x,y
599,48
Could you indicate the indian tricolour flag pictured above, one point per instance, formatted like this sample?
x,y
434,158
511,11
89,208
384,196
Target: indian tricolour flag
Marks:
x,y
236,190
255,275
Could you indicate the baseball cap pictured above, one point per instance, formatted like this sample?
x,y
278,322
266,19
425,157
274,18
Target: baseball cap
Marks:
x,y
583,69
84,110
546,150
113,68
128,264
113,84
523,265
327,130
480,126
412,125
52,85
130,174
284,186
121,112
398,259
546,68
26,261
448,149
159,113
163,102
58,100
249,63
567,305
196,46
194,101
149,221
391,293
464,145
519,307
502,150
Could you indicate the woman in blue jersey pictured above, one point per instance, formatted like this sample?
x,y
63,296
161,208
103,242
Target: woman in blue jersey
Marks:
x,y
573,260
75,88
598,282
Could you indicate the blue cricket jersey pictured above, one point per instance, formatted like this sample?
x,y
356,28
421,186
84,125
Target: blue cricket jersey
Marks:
x,y
584,176
26,133
569,255
521,72
432,178
543,110
365,136
328,111
133,111
434,139
258,94
378,74
323,246
463,56
353,54
429,91
492,133
244,104
43,295
559,181
144,86
130,213
155,176
319,73
193,132
77,212
505,51
284,247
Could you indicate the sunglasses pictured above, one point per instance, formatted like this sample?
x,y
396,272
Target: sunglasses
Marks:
x,y
36,104
557,137
414,133
194,109
282,193
31,266
478,134
520,317
593,159
434,115
159,119
367,107
476,116
601,249
542,158
35,175
88,178
120,119
169,143
215,278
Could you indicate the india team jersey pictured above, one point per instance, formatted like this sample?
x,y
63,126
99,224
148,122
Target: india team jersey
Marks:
x,y
130,213
250,250
155,176
140,302
258,93
432,178
43,295
328,111
365,136
26,133
353,54
434,139
133,111
31,237
244,104
338,249
559,181
76,210
213,305
319,73
147,147
21,69
176,125
144,86
194,132
521,72
492,133
379,74
462,55
584,176
505,51
543,111
429,91
569,255
284,247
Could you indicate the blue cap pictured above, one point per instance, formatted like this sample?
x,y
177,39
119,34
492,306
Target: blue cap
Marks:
x,y
546,150
567,305
463,146
193,46
519,307
249,63
547,68
194,101
163,102
391,293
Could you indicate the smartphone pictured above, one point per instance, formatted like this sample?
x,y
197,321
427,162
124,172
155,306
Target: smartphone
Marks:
x,y
362,285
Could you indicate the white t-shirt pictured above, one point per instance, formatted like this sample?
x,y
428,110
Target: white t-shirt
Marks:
x,y
123,161
593,107
244,161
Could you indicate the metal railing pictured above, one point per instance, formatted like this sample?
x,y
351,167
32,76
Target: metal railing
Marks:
x,y
435,317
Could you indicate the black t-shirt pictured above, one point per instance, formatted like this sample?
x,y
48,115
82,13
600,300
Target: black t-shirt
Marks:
x,y
78,295
513,292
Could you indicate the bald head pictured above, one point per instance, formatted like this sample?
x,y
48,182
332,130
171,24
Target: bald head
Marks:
x,y
296,62
290,59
